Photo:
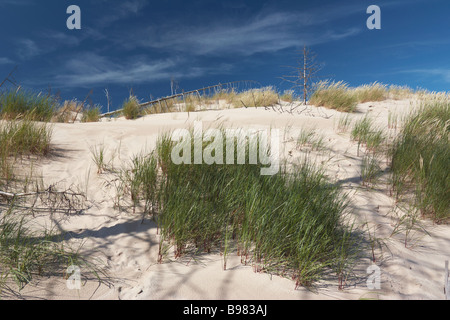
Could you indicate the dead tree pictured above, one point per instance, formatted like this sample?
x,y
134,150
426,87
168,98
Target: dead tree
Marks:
x,y
304,74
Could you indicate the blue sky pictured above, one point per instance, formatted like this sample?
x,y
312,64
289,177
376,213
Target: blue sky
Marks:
x,y
142,44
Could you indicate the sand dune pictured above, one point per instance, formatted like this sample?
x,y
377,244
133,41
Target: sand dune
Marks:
x,y
127,246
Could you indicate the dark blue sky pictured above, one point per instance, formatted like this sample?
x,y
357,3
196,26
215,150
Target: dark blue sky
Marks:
x,y
142,44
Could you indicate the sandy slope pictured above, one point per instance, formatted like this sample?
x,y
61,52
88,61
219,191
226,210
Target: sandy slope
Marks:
x,y
128,246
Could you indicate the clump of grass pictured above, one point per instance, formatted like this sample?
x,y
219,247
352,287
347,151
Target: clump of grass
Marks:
x,y
310,138
254,98
334,95
370,169
27,253
399,92
22,103
287,96
20,138
229,95
142,179
291,224
344,123
91,114
68,111
98,156
420,159
371,92
367,135
131,109
191,103
25,137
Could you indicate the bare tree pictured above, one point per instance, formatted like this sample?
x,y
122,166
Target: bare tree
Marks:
x,y
305,73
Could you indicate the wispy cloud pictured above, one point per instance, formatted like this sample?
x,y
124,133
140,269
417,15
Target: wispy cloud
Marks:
x,y
90,69
4,60
269,32
440,73
122,11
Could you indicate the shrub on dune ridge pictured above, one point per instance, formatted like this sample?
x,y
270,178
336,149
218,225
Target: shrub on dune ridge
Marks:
x,y
131,109
91,114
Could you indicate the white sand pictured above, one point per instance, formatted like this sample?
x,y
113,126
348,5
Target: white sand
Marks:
x,y
128,249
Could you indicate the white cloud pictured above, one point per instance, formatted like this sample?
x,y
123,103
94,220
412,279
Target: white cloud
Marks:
x,y
269,32
90,69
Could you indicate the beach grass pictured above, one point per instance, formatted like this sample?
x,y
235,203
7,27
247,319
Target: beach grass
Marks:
x,y
293,223
371,92
25,137
26,252
24,103
264,97
91,114
334,95
130,108
368,135
420,159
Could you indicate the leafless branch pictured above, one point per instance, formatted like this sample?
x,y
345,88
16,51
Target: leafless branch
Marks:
x,y
50,200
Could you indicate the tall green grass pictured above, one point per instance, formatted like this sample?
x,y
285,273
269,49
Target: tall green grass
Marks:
x,y
421,159
25,137
20,103
21,138
293,223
